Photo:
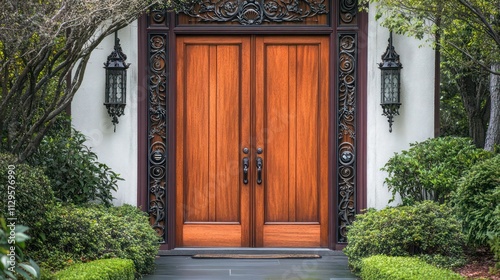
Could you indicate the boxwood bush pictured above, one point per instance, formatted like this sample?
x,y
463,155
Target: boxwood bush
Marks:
x,y
73,234
381,267
430,170
33,195
108,269
426,229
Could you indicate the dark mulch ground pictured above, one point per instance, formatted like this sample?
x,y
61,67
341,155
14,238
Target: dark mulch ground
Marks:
x,y
480,266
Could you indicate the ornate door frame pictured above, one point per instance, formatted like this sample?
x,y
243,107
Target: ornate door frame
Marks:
x,y
156,102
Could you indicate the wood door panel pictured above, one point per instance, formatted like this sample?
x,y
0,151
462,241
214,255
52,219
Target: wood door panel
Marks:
x,y
226,127
276,132
212,235
292,121
212,127
197,118
292,235
307,136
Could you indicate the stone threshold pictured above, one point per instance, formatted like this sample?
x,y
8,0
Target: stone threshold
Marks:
x,y
254,251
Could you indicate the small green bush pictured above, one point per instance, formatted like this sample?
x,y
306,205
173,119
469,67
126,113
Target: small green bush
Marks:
x,y
106,269
29,187
75,174
477,202
403,268
426,229
430,170
73,234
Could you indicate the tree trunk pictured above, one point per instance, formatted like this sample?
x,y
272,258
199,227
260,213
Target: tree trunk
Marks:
x,y
473,95
493,133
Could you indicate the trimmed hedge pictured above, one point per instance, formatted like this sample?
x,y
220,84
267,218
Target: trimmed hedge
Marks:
x,y
73,234
105,269
381,267
33,195
427,230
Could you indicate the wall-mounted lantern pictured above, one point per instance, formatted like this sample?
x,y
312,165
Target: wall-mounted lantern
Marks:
x,y
116,82
391,80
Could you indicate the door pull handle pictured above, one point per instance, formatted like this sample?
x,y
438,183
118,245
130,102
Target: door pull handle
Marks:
x,y
246,163
260,162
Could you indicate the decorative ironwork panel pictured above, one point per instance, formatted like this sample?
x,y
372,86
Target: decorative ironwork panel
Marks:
x,y
157,133
346,145
348,12
157,18
256,12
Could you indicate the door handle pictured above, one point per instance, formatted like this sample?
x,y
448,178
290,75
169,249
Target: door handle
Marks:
x,y
260,162
246,163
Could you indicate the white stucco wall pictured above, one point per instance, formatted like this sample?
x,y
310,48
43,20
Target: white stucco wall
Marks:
x,y
415,122
116,149
416,119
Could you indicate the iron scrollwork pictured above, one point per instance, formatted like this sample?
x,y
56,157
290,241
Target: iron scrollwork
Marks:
x,y
348,11
254,12
157,116
346,191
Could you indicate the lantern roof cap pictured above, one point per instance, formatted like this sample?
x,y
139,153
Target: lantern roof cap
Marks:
x,y
390,59
116,60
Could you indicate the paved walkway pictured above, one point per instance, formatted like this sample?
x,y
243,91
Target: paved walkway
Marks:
x,y
184,268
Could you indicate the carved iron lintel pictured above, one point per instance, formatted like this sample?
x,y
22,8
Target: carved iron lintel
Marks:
x,y
254,12
346,189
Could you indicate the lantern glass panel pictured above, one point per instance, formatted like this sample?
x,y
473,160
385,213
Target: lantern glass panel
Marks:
x,y
390,86
115,86
119,89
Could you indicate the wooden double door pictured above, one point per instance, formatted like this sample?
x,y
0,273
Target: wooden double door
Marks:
x,y
252,141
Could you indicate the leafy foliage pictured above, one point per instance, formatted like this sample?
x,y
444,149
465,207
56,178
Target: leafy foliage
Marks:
x,y
430,170
13,262
72,234
494,243
426,229
44,50
403,268
426,18
32,192
467,34
477,202
110,269
73,169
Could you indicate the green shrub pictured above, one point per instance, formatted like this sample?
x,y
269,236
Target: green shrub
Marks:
x,y
403,268
75,174
477,202
108,269
73,234
425,229
494,243
13,263
29,187
430,170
